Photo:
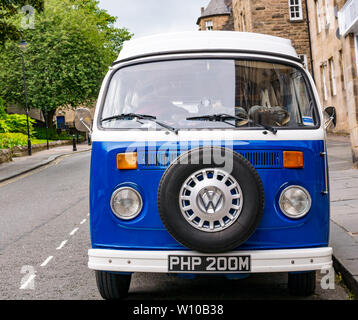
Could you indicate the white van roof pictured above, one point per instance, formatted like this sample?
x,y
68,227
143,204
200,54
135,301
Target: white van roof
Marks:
x,y
207,41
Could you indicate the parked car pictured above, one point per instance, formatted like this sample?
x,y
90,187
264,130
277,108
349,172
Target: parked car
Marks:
x,y
209,157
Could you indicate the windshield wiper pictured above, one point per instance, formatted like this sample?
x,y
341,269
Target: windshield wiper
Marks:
x,y
137,116
227,117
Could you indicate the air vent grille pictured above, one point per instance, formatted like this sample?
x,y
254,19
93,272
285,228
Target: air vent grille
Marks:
x,y
161,159
264,159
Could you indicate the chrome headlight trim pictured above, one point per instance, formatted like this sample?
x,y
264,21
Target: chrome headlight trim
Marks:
x,y
305,211
136,213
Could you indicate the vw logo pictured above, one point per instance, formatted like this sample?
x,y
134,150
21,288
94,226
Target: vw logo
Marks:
x,y
210,200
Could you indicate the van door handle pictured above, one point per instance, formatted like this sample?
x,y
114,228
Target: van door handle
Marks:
x,y
324,155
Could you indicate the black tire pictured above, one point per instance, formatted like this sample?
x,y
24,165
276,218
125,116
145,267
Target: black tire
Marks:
x,y
112,286
210,242
302,284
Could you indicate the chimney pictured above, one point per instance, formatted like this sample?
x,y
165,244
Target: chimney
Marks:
x,y
202,10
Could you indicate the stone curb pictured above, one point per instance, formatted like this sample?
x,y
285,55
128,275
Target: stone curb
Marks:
x,y
42,164
345,259
349,279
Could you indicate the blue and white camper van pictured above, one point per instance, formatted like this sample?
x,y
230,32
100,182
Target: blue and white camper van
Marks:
x,y
209,157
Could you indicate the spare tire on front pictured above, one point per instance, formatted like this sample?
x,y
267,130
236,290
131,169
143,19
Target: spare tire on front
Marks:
x,y
211,199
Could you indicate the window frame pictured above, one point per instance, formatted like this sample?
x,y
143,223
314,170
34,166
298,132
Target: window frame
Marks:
x,y
209,25
291,9
304,60
356,49
332,74
324,81
328,15
243,22
318,17
342,69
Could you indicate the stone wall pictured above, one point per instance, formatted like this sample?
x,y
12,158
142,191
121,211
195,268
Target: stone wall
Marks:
x,y
272,17
5,155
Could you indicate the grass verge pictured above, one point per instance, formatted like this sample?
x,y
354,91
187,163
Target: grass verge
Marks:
x,y
10,140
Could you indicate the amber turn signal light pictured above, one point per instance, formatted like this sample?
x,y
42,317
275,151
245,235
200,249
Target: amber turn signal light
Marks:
x,y
293,160
127,161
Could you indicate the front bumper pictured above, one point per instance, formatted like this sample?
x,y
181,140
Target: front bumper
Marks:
x,y
291,260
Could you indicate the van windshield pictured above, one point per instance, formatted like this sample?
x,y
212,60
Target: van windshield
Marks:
x,y
172,91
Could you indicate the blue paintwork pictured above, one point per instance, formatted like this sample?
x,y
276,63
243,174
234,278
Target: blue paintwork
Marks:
x,y
147,232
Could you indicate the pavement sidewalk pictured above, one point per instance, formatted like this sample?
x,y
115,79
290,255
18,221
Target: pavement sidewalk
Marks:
x,y
344,210
26,164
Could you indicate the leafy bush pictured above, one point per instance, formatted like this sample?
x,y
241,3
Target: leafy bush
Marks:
x,y
40,133
10,140
14,123
3,126
18,123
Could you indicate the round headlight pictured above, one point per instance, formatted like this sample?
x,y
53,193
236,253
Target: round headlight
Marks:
x,y
126,203
295,202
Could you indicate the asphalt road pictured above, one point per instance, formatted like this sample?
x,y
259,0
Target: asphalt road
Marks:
x,y
44,240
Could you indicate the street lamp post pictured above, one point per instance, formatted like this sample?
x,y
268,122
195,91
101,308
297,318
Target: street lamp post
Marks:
x,y
23,46
46,122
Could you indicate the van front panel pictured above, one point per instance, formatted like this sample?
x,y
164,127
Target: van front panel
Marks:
x,y
147,231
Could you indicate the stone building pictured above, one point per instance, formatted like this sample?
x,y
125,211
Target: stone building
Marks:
x,y
281,18
334,35
33,113
65,117
324,34
217,16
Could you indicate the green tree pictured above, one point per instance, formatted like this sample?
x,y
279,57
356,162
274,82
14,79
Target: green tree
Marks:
x,y
9,8
69,51
2,109
105,22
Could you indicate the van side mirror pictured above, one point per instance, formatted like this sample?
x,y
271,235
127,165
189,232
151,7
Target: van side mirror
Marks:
x,y
330,118
83,120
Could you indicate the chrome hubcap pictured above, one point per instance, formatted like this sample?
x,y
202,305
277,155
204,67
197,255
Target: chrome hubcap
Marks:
x,y
211,200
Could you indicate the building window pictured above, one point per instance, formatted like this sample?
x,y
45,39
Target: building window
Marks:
x,y
356,42
243,23
328,16
333,77
343,76
324,82
295,7
303,58
209,25
318,17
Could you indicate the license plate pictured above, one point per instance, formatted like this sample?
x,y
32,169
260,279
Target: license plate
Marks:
x,y
210,264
